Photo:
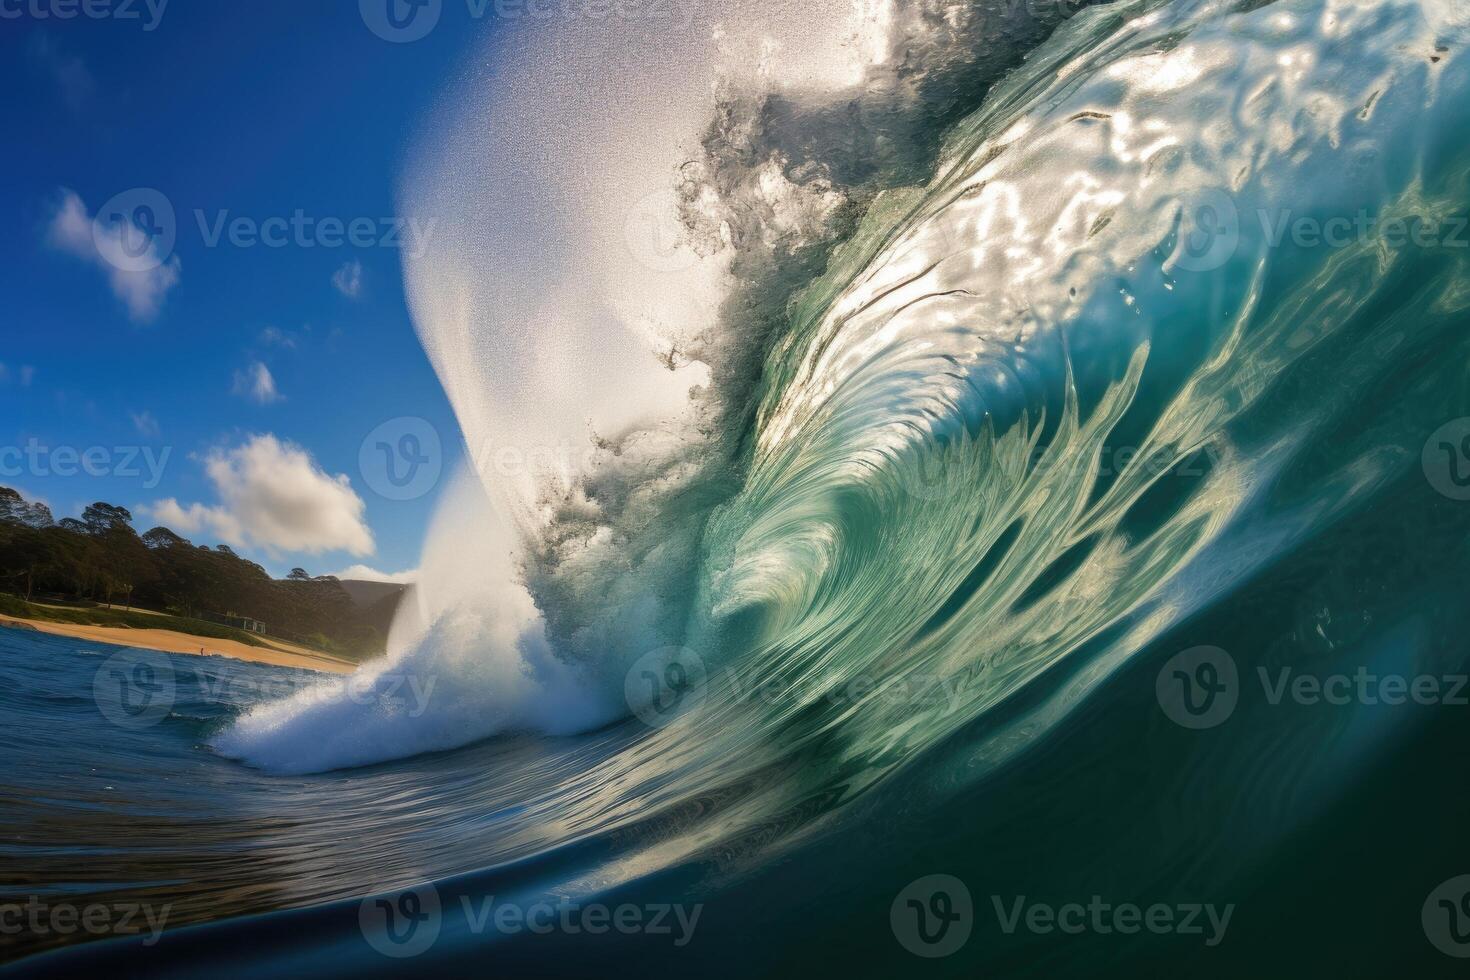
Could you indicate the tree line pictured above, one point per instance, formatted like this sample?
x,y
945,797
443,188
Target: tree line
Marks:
x,y
101,557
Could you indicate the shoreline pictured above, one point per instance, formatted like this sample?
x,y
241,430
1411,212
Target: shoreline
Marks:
x,y
172,641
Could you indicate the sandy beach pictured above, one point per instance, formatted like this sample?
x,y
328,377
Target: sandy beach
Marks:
x,y
169,641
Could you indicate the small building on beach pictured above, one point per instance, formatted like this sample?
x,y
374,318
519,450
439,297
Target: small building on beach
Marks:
x,y
238,622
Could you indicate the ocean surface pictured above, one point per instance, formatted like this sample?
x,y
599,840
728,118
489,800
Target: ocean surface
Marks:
x,y
1040,552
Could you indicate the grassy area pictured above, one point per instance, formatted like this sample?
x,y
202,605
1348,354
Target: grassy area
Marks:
x,y
15,606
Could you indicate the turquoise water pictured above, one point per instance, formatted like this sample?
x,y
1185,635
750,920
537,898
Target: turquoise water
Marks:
x,y
1150,390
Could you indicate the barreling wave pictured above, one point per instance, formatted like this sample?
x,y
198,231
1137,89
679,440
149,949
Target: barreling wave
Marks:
x,y
966,376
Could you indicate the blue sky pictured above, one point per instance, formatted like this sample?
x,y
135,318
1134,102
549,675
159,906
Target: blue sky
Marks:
x,y
260,370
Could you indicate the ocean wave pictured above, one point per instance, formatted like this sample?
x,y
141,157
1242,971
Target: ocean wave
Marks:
x,y
941,379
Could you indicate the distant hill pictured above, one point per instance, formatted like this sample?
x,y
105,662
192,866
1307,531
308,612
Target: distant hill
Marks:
x,y
100,560
365,594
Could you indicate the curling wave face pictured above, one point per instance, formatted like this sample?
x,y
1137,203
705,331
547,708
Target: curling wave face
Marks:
x,y
970,421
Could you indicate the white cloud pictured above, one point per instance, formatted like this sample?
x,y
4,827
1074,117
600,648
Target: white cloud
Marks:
x,y
141,282
257,384
276,337
69,72
364,573
25,376
274,496
196,519
348,279
146,424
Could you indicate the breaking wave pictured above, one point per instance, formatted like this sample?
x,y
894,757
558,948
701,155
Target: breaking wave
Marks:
x,y
854,349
